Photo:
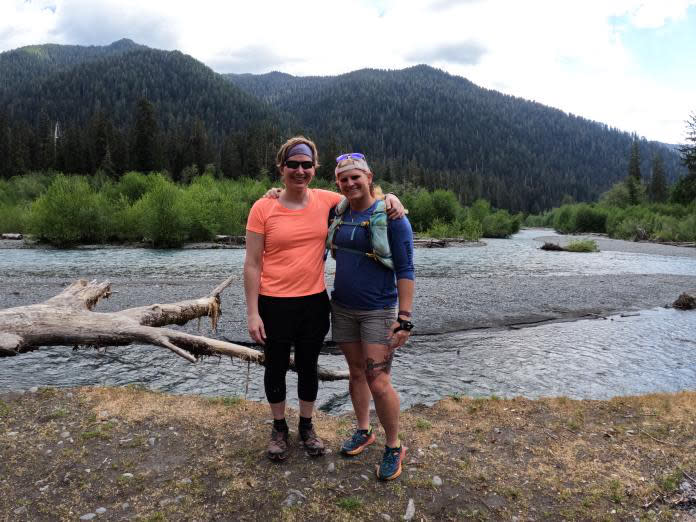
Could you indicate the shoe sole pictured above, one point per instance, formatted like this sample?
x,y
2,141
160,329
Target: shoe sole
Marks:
x,y
397,473
357,451
275,457
315,453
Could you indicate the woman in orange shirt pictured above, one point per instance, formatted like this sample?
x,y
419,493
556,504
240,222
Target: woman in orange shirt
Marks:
x,y
286,297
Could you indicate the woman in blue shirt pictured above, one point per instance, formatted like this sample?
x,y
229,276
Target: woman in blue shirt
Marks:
x,y
369,284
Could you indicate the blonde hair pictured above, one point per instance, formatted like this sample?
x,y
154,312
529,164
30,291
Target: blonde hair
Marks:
x,y
285,147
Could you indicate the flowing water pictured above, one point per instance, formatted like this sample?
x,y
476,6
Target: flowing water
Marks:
x,y
653,350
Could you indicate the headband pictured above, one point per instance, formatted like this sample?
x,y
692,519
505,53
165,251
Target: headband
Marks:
x,y
300,148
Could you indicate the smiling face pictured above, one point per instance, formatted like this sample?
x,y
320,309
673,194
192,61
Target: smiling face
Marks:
x,y
355,185
297,178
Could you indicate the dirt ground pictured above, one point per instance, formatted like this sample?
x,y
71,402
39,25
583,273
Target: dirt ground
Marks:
x,y
131,454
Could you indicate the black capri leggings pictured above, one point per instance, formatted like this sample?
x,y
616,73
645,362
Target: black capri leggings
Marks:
x,y
299,321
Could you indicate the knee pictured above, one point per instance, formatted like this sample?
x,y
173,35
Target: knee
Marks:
x,y
380,384
357,373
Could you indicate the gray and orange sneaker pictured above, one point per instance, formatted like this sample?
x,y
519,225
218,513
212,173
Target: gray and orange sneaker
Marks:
x,y
360,440
312,443
278,446
390,468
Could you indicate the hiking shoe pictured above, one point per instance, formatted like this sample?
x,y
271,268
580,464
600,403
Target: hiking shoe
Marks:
x,y
360,440
312,443
278,446
391,463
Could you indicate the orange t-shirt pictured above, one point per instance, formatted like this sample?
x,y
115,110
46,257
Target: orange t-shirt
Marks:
x,y
294,242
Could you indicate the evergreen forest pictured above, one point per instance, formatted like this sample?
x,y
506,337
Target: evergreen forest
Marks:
x,y
108,115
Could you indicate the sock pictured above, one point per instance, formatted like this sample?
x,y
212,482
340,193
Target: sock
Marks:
x,y
280,424
365,431
305,423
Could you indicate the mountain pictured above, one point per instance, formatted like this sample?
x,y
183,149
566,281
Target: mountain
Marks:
x,y
446,123
21,67
71,85
126,106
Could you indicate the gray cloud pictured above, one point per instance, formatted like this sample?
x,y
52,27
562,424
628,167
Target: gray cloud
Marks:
x,y
250,59
463,53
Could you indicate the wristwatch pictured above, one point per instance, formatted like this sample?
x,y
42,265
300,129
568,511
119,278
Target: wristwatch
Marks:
x,y
404,324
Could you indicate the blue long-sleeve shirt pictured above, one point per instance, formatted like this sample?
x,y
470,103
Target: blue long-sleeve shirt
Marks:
x,y
361,282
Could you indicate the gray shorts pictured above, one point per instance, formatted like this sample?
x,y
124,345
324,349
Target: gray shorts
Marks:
x,y
368,326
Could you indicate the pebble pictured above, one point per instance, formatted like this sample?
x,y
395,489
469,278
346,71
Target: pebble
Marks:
x,y
48,452
88,516
125,506
151,441
165,502
12,433
127,475
43,488
294,497
410,510
33,389
433,446
179,498
185,481
437,481
287,473
385,516
102,415
331,468
69,395
101,510
65,435
20,510
365,477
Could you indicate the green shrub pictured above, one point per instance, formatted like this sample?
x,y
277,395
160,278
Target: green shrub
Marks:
x,y
163,214
582,245
14,217
589,219
500,224
69,212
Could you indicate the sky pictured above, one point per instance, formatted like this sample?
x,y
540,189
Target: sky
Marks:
x,y
630,64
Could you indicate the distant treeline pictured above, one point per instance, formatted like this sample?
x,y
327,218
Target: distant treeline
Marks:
x,y
152,208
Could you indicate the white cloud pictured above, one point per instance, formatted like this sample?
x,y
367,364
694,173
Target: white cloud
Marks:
x,y
569,54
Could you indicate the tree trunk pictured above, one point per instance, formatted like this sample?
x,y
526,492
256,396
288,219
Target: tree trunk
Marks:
x,y
68,320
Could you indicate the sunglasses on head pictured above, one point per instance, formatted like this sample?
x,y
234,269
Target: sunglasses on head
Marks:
x,y
350,155
306,165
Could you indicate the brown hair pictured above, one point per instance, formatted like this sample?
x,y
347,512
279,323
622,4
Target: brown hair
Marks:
x,y
285,147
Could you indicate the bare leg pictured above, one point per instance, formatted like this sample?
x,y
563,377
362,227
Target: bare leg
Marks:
x,y
357,385
306,408
278,410
378,360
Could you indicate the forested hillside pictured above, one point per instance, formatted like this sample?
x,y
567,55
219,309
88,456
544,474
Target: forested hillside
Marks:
x,y
125,106
520,154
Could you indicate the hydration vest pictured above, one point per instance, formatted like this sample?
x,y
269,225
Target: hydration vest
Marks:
x,y
377,225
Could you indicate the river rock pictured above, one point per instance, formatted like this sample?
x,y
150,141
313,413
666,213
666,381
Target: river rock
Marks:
x,y
331,468
88,516
294,497
437,481
410,509
20,510
685,302
101,510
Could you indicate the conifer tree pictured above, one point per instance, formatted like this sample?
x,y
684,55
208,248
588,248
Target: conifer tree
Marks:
x,y
634,162
145,138
657,189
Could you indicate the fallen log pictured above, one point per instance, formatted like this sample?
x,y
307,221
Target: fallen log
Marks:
x,y
68,320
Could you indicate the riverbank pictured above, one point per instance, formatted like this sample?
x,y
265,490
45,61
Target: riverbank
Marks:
x,y
126,453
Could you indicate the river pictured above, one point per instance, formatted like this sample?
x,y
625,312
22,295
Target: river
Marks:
x,y
504,319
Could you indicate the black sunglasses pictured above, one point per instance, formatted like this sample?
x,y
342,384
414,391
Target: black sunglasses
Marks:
x,y
306,165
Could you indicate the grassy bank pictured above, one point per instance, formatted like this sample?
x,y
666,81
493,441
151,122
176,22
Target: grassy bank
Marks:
x,y
150,456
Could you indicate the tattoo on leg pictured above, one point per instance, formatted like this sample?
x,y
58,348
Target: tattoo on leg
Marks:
x,y
372,368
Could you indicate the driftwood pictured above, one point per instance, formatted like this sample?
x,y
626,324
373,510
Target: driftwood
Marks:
x,y
685,302
68,320
11,236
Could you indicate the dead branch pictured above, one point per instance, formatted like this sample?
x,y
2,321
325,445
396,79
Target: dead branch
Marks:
x,y
658,440
68,320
